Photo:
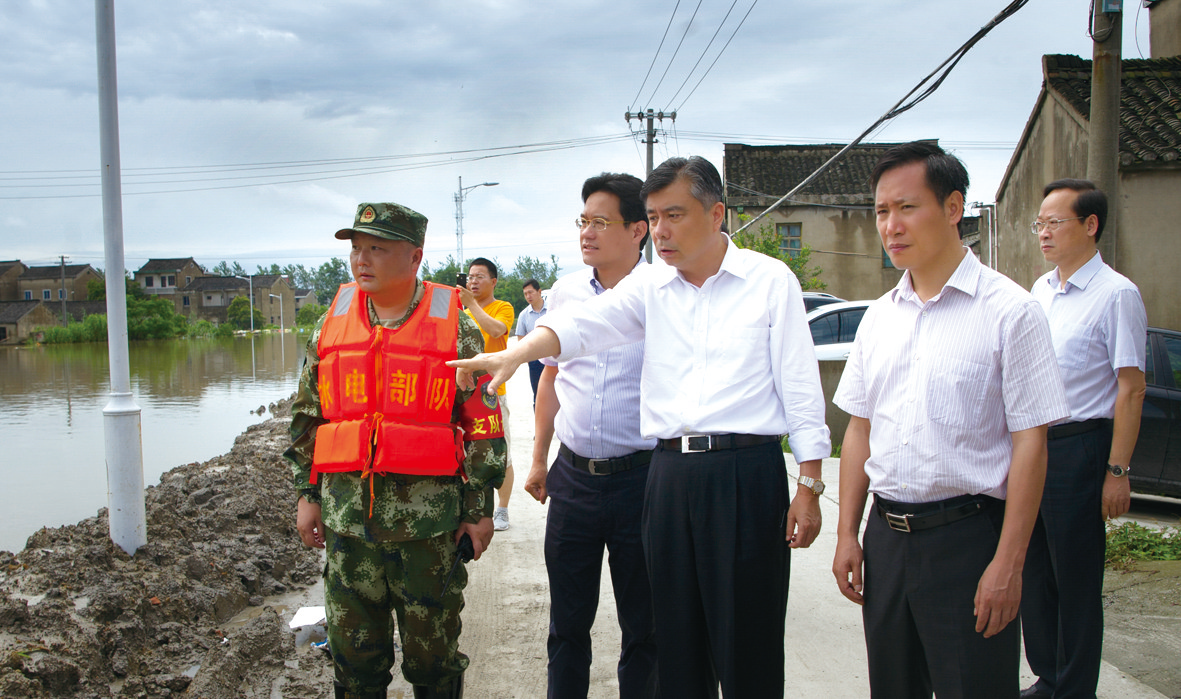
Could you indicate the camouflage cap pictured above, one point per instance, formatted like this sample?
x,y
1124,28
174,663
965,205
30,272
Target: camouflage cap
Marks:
x,y
389,221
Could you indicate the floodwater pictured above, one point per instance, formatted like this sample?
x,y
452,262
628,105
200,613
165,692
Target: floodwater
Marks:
x,y
196,396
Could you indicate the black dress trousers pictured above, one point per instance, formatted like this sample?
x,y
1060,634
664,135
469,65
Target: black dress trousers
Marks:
x,y
714,528
920,630
1062,600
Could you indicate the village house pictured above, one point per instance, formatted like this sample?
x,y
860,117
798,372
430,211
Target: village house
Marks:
x,y
166,276
208,298
10,270
1054,144
20,319
304,297
45,283
833,215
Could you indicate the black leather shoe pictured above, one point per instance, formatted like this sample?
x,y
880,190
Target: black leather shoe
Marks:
x,y
1035,692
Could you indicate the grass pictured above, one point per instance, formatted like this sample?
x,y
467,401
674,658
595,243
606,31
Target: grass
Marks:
x,y
1130,542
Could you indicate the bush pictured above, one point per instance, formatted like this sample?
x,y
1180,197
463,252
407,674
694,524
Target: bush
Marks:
x,y
1132,542
309,314
93,328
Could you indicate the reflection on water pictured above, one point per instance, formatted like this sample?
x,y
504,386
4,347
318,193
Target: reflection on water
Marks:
x,y
196,397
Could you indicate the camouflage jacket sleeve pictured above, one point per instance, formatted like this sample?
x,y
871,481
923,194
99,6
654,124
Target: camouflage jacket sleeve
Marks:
x,y
486,458
305,418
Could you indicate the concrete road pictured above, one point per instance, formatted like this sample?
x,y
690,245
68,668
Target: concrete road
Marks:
x,y
505,622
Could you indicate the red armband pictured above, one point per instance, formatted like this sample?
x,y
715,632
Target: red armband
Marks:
x,y
480,416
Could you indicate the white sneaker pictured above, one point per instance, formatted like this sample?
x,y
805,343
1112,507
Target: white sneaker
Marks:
x,y
500,519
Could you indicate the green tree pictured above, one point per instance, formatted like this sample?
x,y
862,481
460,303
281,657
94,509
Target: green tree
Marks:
x,y
238,314
445,274
309,314
766,241
224,269
301,277
96,289
329,276
511,286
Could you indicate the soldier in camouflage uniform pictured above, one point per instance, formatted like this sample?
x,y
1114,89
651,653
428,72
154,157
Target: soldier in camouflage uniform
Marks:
x,y
391,538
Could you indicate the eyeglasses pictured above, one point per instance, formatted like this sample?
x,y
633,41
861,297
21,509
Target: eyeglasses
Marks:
x,y
599,224
477,277
1052,224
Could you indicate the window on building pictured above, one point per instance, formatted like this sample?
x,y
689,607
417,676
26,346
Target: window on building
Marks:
x,y
28,296
61,294
185,303
208,299
149,281
171,280
45,294
790,241
3,334
188,280
886,263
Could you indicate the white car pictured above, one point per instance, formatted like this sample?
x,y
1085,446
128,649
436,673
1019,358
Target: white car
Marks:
x,y
834,326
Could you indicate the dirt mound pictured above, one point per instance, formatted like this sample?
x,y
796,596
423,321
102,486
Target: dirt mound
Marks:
x,y
81,618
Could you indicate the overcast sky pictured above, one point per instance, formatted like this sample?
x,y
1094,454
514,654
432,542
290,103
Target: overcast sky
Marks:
x,y
250,130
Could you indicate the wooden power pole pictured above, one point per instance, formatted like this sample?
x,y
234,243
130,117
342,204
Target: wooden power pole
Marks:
x,y
1103,149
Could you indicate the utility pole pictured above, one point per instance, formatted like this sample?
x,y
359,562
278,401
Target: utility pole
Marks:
x,y
650,139
123,440
65,318
1103,147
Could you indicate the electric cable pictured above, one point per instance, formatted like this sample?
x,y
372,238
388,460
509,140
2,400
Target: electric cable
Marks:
x,y
703,52
943,70
656,55
676,51
715,61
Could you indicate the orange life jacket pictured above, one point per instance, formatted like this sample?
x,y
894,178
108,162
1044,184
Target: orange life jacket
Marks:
x,y
386,392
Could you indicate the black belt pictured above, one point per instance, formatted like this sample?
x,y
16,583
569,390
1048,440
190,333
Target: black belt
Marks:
x,y
1070,429
913,517
606,467
690,443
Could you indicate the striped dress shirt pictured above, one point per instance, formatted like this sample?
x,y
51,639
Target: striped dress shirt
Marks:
x,y
1099,326
599,394
944,383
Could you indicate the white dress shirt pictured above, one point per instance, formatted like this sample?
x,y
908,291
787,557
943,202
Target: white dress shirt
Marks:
x,y
943,383
1099,326
733,356
599,394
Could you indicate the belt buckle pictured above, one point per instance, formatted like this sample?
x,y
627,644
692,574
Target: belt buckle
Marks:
x,y
592,466
687,441
899,523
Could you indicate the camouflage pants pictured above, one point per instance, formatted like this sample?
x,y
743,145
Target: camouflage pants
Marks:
x,y
365,582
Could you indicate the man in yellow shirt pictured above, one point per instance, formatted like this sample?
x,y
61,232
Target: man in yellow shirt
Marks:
x,y
495,319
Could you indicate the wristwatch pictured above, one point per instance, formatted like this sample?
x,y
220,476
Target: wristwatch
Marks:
x,y
1117,470
814,484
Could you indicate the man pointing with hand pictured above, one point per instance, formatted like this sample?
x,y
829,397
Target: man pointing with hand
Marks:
x,y
728,368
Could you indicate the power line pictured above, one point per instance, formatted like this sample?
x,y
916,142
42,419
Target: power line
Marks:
x,y
675,52
295,178
234,167
703,52
902,105
711,65
655,56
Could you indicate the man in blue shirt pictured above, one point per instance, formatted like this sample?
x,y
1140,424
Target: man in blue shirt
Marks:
x,y
596,484
527,321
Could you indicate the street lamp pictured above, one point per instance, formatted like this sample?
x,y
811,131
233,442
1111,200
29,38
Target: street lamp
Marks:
x,y
276,296
459,197
250,281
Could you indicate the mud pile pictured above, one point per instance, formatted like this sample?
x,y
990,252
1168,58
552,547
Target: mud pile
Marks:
x,y
81,618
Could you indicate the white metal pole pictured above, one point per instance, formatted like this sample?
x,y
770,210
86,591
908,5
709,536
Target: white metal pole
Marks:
x,y
126,514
